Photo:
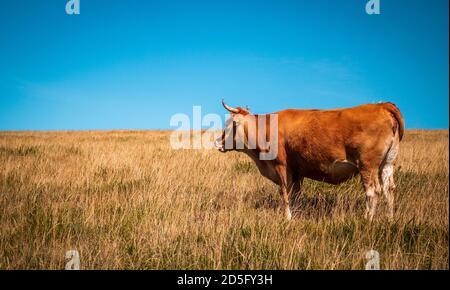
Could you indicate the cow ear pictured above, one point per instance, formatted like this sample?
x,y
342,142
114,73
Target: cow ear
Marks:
x,y
243,111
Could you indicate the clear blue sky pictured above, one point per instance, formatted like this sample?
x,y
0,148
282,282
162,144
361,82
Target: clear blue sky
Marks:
x,y
128,64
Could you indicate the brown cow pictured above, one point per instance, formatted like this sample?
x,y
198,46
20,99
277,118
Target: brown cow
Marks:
x,y
325,145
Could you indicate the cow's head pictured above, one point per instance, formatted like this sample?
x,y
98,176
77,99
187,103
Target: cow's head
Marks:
x,y
233,136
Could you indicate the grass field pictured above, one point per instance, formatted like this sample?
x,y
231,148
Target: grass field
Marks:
x,y
126,200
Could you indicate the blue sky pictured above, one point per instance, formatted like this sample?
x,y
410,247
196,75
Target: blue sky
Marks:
x,y
133,64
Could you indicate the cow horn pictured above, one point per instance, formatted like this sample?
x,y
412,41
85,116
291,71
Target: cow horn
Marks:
x,y
232,110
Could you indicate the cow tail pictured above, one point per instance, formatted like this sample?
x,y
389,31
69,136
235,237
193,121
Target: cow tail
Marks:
x,y
395,111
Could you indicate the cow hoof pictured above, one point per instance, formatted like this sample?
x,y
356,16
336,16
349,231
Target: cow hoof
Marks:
x,y
288,214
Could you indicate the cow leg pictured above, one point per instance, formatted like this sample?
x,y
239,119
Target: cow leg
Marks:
x,y
296,191
285,195
284,189
387,176
387,180
372,187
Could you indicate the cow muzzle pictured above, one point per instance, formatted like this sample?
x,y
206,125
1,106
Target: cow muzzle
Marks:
x,y
219,145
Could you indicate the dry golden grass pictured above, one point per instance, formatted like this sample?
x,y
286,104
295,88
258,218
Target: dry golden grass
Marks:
x,y
125,200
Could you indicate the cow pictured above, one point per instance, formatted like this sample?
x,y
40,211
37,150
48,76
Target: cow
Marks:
x,y
331,146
